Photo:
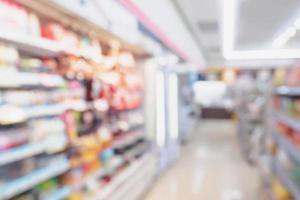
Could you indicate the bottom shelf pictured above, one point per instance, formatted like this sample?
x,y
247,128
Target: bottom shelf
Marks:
x,y
286,180
27,182
140,171
60,194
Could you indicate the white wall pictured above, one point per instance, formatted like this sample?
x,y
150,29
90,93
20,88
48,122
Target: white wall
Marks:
x,y
164,14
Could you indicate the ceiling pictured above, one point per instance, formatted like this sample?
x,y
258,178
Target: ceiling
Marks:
x,y
258,24
156,15
261,21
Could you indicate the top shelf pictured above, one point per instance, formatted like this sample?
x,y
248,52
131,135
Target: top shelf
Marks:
x,y
35,46
290,91
51,9
38,46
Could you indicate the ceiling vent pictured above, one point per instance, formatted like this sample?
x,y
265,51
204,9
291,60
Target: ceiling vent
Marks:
x,y
214,49
208,26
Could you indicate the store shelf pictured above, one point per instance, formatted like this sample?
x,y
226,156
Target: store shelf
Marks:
x,y
61,194
90,178
45,110
13,80
32,45
287,146
138,183
98,174
286,180
21,152
117,111
59,13
127,140
113,187
290,121
139,149
115,165
27,182
288,91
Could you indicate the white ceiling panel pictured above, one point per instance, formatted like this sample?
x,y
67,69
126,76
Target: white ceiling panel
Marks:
x,y
258,24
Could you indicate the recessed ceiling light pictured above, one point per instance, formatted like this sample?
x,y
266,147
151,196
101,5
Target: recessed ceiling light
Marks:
x,y
229,26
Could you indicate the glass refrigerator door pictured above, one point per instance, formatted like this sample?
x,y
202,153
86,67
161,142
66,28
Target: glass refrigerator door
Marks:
x,y
167,117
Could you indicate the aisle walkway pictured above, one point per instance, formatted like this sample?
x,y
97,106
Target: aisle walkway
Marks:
x,y
210,168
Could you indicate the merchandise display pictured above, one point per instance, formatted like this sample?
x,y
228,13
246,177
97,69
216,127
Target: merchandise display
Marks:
x,y
281,146
99,98
71,114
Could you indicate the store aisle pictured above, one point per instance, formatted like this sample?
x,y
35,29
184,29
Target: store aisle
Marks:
x,y
210,168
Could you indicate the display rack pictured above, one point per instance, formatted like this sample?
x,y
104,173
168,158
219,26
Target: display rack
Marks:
x,y
94,151
57,12
24,183
285,179
137,171
283,153
288,146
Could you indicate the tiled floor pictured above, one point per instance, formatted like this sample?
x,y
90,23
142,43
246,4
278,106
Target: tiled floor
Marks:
x,y
210,168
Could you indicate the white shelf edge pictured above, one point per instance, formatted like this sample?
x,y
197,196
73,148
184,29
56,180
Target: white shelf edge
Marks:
x,y
19,153
288,90
138,182
60,194
27,182
122,177
127,141
34,45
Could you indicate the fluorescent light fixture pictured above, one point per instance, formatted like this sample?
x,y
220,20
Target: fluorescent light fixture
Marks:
x,y
173,105
297,24
290,32
280,41
173,59
160,110
229,26
264,54
285,37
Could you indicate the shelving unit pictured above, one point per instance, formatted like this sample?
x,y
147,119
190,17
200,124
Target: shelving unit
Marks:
x,y
137,171
57,12
27,182
139,181
282,117
52,73
287,146
286,180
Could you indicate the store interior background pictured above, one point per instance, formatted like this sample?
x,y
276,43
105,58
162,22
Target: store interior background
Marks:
x,y
149,99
